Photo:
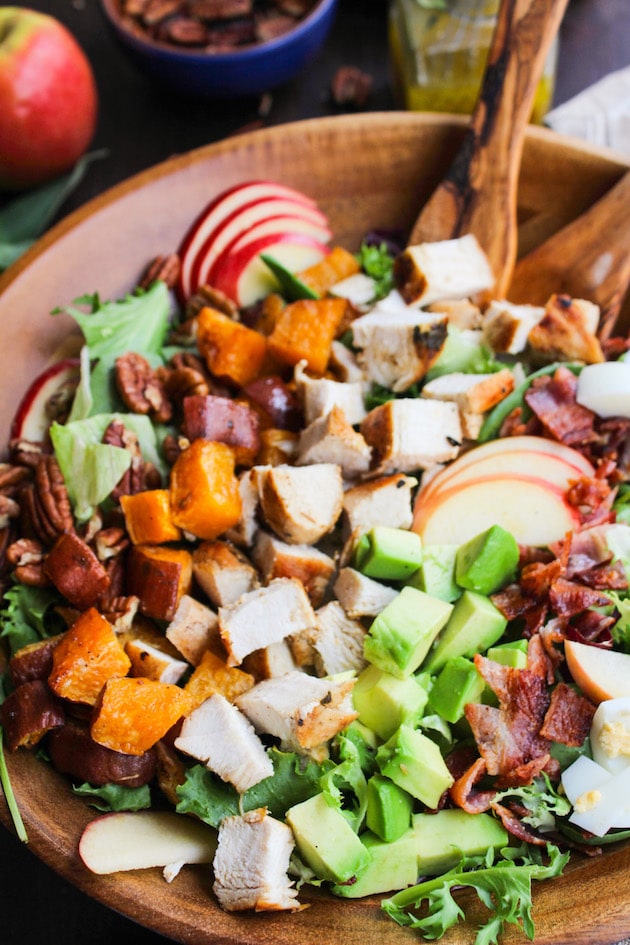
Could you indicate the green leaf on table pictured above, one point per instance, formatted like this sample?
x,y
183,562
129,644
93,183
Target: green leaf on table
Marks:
x,y
24,218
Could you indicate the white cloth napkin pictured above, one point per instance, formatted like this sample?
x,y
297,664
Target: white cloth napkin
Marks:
x,y
600,114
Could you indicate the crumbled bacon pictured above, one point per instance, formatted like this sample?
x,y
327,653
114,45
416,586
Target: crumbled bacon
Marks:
x,y
465,794
569,598
591,627
552,400
538,660
568,718
514,825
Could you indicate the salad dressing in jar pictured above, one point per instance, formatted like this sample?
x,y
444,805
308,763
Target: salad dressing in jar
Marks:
x,y
438,51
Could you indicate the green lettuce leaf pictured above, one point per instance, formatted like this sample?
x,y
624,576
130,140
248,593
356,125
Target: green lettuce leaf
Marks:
x,y
27,615
378,263
114,797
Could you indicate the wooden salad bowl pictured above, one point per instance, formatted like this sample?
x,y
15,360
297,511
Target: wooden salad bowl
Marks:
x,y
369,171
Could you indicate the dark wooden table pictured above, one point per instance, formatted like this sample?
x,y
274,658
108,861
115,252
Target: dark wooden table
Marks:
x,y
140,126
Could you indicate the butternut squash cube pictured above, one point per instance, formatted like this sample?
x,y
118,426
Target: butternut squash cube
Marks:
x,y
205,495
158,577
338,264
305,330
232,351
86,657
134,713
148,517
213,675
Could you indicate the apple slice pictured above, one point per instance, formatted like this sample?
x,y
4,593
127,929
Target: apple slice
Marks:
x,y
135,840
533,510
244,221
600,674
45,400
218,210
245,278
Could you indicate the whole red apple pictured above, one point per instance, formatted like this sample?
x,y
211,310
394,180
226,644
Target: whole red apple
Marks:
x,y
48,98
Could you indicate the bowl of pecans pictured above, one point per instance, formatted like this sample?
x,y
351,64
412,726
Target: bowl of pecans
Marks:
x,y
220,48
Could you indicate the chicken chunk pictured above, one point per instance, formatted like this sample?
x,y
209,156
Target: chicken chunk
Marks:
x,y
361,596
264,616
562,333
304,712
273,660
398,348
276,559
332,439
223,572
338,641
410,434
384,501
301,504
319,395
221,737
506,325
251,863
445,269
194,629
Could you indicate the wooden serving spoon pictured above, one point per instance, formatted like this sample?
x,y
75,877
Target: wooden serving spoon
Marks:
x,y
589,258
478,194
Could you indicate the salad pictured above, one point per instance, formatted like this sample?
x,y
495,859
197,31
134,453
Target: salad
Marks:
x,y
318,573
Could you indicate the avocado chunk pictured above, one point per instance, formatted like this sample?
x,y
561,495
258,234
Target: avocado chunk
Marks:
x,y
436,574
325,840
443,837
391,866
400,637
474,625
415,764
384,701
512,654
488,561
389,808
458,683
388,554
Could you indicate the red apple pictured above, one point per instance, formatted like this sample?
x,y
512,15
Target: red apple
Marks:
x,y
48,99
600,674
48,398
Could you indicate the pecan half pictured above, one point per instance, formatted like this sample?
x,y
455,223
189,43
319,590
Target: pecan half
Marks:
x,y
140,389
27,558
162,269
207,295
117,434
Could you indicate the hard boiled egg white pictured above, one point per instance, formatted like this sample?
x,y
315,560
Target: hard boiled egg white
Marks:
x,y
610,735
605,388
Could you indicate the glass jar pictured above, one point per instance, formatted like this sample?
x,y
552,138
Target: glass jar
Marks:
x,y
439,55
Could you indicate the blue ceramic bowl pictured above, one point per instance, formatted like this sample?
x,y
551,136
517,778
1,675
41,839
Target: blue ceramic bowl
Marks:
x,y
248,70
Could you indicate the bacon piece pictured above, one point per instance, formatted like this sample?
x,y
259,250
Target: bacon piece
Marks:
x,y
552,400
515,825
512,601
589,491
537,578
464,794
538,660
568,718
568,598
591,627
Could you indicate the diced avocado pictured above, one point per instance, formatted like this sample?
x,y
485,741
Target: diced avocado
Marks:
x,y
389,808
415,764
388,554
391,866
399,638
443,837
436,574
384,701
459,682
365,741
325,840
512,654
488,561
474,625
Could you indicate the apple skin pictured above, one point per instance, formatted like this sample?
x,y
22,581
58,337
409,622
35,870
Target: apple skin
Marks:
x,y
48,99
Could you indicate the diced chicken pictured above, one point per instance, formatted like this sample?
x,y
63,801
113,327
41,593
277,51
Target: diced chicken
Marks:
x,y
243,532
153,663
445,269
251,863
461,313
384,501
561,334
412,433
361,596
344,365
506,325
338,641
277,559
319,395
397,349
304,712
266,615
473,393
277,446
194,629
359,289
301,504
221,737
471,424
590,313
223,572
332,439
273,660
302,649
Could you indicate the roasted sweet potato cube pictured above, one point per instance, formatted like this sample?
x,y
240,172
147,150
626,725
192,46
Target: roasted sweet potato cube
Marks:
x,y
213,675
148,517
205,495
33,661
75,571
208,417
233,352
29,713
134,713
305,331
337,265
88,654
73,751
158,577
